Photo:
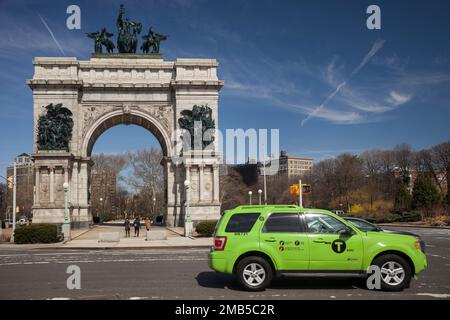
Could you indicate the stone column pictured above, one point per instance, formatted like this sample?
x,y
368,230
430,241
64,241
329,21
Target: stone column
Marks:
x,y
52,184
188,173
74,184
200,182
216,182
37,186
83,189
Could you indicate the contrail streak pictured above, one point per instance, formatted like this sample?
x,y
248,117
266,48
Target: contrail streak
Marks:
x,y
375,47
51,33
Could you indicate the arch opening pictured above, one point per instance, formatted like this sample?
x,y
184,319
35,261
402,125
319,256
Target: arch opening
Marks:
x,y
112,120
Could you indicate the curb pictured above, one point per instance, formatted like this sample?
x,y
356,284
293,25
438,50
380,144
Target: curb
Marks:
x,y
412,226
131,248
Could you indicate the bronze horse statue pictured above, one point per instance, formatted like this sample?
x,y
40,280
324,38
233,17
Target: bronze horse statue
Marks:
x,y
152,40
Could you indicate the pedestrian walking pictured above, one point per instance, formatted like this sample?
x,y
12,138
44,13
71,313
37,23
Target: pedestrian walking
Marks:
x,y
148,224
127,228
137,226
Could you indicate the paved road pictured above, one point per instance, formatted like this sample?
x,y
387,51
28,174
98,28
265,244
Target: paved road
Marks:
x,y
184,274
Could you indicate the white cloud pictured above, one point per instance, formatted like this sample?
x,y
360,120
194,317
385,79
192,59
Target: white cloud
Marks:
x,y
377,45
397,99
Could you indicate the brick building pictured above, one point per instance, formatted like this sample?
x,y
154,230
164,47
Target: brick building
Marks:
x,y
25,186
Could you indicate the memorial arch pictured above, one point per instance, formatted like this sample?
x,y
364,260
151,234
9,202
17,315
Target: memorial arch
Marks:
x,y
112,89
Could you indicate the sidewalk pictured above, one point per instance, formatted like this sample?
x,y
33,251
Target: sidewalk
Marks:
x,y
88,239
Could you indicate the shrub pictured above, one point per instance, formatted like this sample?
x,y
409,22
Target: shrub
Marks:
x,y
404,217
357,208
36,233
206,228
105,217
96,219
439,221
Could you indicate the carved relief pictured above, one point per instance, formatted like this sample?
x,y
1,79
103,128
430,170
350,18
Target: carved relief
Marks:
x,y
91,114
162,113
44,188
59,181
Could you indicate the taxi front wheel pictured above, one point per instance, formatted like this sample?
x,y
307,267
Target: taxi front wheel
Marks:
x,y
254,273
395,272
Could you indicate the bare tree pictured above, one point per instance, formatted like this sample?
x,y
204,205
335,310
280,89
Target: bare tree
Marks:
x,y
404,158
147,179
372,171
441,162
104,175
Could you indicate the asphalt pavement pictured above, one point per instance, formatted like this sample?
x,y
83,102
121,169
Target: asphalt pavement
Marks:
x,y
184,274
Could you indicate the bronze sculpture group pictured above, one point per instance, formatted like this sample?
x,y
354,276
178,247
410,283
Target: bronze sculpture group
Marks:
x,y
127,37
201,114
55,128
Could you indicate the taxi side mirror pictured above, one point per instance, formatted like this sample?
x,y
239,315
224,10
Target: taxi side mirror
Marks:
x,y
346,231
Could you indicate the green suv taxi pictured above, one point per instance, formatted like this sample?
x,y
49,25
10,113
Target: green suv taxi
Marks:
x,y
257,243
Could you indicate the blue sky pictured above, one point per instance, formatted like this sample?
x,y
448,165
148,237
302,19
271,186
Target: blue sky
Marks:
x,y
281,62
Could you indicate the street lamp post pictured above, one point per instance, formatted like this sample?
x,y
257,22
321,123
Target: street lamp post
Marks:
x,y
250,196
66,224
259,195
14,200
187,213
101,205
154,205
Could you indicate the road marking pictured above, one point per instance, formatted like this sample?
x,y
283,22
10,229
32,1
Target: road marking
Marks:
x,y
435,295
138,298
438,256
105,260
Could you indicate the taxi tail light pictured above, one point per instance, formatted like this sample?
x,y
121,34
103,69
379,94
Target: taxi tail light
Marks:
x,y
219,243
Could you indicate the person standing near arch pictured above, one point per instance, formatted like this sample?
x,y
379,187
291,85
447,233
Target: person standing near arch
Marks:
x,y
127,228
137,226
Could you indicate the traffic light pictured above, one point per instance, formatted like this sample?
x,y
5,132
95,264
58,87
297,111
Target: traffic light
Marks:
x,y
294,190
306,188
10,182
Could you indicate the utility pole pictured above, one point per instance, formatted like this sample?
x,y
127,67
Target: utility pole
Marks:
x,y
300,194
264,174
14,200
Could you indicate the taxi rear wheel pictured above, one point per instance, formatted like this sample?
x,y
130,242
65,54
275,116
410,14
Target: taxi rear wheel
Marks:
x,y
395,272
254,273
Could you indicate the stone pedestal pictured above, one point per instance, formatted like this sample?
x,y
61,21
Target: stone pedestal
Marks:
x,y
52,169
188,229
156,235
66,231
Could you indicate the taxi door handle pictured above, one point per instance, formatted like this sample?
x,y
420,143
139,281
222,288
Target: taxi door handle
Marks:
x,y
270,240
320,240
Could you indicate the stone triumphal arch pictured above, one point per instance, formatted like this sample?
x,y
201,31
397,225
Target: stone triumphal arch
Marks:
x,y
108,90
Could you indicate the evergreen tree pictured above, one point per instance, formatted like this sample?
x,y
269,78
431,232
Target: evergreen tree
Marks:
x,y
402,201
425,195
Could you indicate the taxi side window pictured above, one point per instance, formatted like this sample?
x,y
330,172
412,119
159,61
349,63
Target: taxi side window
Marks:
x,y
241,222
283,222
323,223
